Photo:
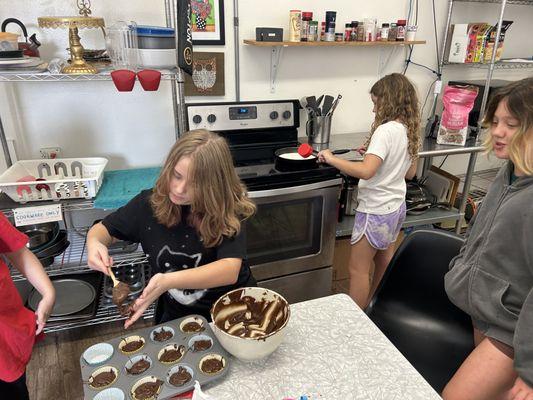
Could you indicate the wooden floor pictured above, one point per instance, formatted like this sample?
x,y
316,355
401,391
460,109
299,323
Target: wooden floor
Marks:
x,y
54,370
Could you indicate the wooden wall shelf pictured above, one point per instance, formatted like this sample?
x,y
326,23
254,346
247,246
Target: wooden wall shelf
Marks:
x,y
330,44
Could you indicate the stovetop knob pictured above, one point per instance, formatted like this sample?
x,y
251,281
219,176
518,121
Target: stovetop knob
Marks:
x,y
196,119
274,115
211,118
286,114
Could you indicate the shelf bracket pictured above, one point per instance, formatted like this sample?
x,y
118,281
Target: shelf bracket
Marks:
x,y
275,56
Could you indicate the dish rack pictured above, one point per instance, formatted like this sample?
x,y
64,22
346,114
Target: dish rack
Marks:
x,y
53,179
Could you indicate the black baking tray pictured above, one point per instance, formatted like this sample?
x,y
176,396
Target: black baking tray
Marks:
x,y
95,280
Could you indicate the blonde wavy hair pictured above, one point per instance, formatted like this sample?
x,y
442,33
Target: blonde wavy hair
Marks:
x,y
219,201
396,100
519,98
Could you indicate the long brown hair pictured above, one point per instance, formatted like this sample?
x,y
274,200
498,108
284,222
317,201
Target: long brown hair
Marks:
x,y
218,198
397,101
519,97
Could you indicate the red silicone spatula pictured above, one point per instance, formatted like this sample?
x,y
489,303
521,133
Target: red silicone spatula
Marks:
x,y
306,150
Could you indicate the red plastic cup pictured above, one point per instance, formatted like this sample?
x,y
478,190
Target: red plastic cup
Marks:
x,y
305,150
149,79
124,79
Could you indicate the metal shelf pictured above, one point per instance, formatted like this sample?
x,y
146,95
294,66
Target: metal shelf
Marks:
x,y
105,312
74,259
497,65
517,2
432,216
7,205
48,77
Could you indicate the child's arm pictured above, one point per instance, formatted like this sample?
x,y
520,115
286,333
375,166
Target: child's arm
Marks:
x,y
218,273
365,169
29,266
411,172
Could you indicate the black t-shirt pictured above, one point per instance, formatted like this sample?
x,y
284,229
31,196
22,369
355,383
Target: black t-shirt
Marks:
x,y
177,248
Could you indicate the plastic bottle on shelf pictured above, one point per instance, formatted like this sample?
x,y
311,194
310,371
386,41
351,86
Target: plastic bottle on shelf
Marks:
x,y
307,16
400,36
295,25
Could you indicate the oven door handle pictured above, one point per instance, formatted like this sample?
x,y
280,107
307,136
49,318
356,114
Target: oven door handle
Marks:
x,y
294,189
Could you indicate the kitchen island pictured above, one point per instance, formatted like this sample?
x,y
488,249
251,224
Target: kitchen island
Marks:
x,y
331,351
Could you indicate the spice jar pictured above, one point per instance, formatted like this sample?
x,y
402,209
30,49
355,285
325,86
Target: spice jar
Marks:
x,y
339,37
393,31
400,36
295,25
313,31
348,32
323,31
384,32
361,32
307,16
353,37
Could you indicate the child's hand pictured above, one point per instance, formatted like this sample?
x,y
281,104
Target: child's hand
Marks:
x,y
521,391
98,257
361,150
43,311
325,156
155,288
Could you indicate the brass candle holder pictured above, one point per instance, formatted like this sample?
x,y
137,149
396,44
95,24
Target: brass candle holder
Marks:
x,y
78,66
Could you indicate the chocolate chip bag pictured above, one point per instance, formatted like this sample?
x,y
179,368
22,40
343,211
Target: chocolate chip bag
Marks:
x,y
458,102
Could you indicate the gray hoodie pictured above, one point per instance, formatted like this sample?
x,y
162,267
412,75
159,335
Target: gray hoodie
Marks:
x,y
492,277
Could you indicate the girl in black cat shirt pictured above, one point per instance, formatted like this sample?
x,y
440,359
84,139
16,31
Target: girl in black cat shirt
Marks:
x,y
190,225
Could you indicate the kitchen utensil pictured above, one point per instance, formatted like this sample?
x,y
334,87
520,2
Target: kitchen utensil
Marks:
x,y
149,79
30,45
72,295
328,101
288,159
123,79
40,235
318,128
305,150
121,290
334,106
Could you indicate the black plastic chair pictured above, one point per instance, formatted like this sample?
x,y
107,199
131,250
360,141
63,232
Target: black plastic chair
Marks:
x,y
412,309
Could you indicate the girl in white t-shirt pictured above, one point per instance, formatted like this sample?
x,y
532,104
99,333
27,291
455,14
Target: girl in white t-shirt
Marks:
x,y
390,156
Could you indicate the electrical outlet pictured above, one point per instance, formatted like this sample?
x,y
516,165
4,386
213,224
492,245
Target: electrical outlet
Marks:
x,y
50,152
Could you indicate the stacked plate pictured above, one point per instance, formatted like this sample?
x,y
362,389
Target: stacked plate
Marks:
x,y
19,63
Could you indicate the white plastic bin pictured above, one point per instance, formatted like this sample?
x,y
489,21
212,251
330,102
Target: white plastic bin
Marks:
x,y
58,179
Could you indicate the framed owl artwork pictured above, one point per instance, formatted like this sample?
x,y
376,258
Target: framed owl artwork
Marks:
x,y
207,75
207,20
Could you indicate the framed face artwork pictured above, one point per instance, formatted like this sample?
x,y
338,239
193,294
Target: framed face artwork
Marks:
x,y
207,75
207,18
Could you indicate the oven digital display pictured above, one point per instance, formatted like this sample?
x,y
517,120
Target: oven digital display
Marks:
x,y
243,112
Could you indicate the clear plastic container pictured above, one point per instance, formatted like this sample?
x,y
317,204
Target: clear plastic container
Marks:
x,y
122,44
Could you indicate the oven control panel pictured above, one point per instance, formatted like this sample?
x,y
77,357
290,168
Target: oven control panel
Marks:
x,y
243,115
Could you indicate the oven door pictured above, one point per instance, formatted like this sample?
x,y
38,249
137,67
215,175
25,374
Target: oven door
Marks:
x,y
293,230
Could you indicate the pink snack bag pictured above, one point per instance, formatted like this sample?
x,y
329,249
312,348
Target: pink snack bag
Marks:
x,y
458,102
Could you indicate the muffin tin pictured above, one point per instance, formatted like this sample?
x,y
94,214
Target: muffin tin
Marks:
x,y
187,346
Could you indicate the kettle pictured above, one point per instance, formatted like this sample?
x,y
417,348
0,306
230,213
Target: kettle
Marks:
x,y
31,44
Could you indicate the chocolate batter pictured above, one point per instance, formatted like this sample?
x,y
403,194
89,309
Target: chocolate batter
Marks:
x,y
245,316
147,390
120,293
212,366
192,327
103,379
126,310
162,335
180,378
138,367
132,346
173,354
201,345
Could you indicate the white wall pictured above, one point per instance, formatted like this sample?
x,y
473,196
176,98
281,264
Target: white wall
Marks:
x,y
137,129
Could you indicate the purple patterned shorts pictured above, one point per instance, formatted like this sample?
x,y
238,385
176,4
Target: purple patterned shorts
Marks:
x,y
380,230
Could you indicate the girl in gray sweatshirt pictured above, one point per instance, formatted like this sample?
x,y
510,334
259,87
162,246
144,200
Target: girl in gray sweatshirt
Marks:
x,y
492,277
